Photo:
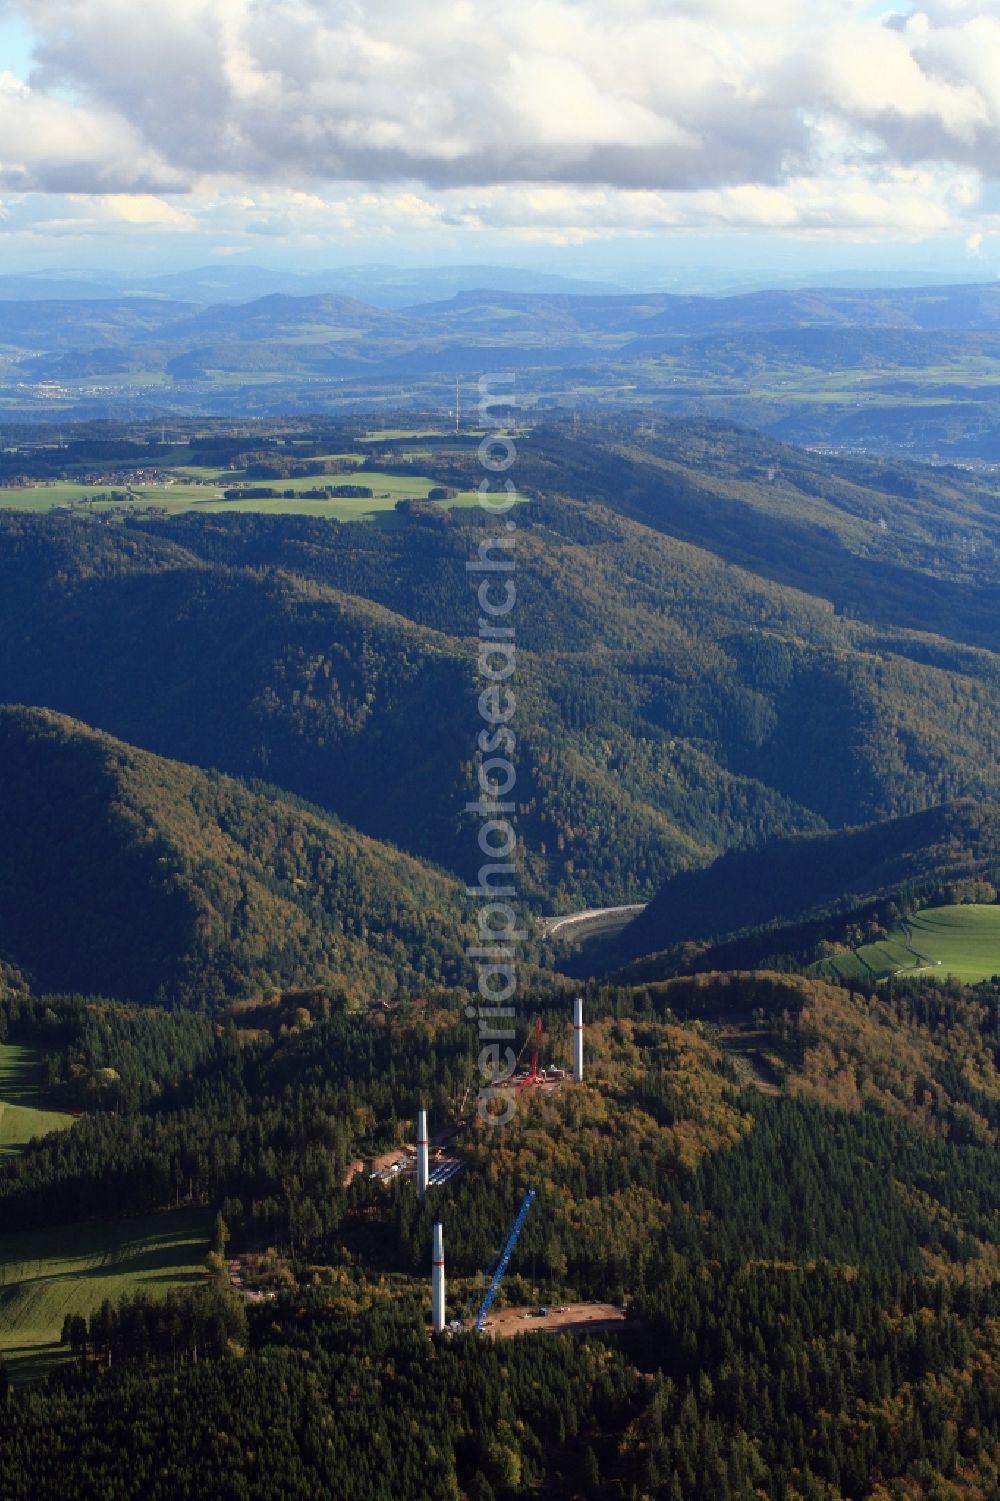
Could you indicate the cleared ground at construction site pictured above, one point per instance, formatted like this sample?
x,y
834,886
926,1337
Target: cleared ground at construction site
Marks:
x,y
566,1318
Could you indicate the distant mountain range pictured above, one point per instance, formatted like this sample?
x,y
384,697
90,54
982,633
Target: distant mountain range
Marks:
x,y
913,370
383,286
469,318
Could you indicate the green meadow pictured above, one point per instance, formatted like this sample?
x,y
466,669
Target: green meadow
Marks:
x,y
962,941
178,498
47,1274
24,1112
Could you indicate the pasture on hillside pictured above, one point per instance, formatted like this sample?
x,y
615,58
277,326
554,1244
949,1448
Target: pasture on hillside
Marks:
x,y
24,1111
961,941
46,1274
964,940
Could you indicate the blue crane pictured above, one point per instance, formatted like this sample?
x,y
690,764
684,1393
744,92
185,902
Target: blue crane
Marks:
x,y
505,1255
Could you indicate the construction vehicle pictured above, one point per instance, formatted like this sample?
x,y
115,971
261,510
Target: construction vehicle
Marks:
x,y
505,1255
533,1076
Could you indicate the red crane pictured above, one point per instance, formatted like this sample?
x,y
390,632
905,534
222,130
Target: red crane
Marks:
x,y
533,1076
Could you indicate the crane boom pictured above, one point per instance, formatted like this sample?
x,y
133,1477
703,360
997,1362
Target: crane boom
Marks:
x,y
505,1255
535,1038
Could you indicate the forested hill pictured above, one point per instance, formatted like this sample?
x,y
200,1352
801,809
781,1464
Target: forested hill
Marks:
x,y
672,700
125,874
791,879
887,542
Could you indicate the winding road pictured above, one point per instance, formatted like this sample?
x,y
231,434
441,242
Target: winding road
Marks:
x,y
593,920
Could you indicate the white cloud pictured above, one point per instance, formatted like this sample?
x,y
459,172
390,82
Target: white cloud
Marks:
x,y
146,210
648,93
49,145
559,118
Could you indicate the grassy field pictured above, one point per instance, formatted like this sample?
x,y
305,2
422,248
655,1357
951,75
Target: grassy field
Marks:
x,y
23,1109
45,497
962,941
46,1274
178,498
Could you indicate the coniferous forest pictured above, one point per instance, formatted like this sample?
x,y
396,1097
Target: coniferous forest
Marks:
x,y
236,753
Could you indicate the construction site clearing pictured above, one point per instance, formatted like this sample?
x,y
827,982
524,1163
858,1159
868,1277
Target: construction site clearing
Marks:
x,y
443,1166
401,1163
235,1267
567,1318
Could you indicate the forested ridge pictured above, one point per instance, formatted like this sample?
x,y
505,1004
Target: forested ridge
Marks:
x,y
805,1386
790,892
125,874
676,697
826,1332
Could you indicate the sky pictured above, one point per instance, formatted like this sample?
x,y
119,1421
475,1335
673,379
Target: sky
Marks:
x,y
637,136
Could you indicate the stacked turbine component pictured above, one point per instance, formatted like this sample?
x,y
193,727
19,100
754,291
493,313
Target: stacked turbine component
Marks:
x,y
437,1281
423,1146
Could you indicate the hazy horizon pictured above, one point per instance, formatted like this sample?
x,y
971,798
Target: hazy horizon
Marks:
x,y
603,274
